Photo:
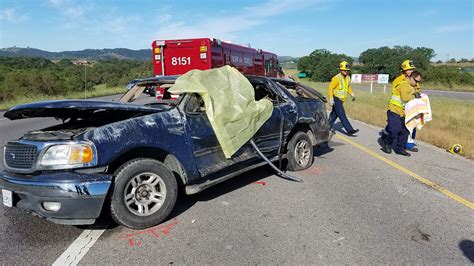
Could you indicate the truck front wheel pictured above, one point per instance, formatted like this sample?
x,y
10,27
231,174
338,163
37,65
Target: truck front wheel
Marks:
x,y
144,194
300,152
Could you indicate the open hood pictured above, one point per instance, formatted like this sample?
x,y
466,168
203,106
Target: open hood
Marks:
x,y
64,109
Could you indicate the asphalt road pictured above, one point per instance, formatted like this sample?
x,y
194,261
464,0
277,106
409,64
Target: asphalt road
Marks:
x,y
356,205
450,94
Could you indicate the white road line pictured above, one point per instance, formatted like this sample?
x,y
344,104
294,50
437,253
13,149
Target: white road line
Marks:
x,y
76,251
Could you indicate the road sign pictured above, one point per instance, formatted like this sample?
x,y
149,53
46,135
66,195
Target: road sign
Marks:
x,y
382,79
369,77
356,78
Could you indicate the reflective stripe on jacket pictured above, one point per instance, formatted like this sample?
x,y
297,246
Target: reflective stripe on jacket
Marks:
x,y
396,100
341,91
401,94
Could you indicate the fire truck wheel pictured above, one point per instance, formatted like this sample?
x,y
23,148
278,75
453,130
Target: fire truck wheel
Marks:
x,y
144,193
300,152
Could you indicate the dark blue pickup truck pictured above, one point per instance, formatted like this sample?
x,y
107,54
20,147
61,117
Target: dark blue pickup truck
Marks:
x,y
132,158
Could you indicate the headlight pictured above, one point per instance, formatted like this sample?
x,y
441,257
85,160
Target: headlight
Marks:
x,y
73,155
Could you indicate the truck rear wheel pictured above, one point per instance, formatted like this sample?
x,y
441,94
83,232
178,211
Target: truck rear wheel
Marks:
x,y
144,194
300,152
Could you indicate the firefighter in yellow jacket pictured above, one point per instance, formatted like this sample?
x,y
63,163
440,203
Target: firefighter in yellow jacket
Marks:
x,y
407,67
396,134
339,87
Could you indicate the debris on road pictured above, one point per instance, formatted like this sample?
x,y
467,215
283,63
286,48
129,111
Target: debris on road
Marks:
x,y
263,183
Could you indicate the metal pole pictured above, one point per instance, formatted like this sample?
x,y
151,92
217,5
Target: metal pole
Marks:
x,y
85,83
162,54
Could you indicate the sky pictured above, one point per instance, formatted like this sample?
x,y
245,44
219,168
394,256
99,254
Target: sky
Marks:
x,y
285,27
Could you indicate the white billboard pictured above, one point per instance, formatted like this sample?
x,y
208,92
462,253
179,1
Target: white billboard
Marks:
x,y
382,79
356,78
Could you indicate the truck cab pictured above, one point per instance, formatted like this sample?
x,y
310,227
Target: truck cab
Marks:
x,y
131,159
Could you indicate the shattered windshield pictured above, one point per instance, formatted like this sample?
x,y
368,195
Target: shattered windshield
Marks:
x,y
153,93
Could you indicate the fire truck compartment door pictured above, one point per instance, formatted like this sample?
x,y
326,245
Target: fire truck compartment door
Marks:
x,y
230,104
181,59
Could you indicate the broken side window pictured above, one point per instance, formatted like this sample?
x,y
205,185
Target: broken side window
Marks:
x,y
195,104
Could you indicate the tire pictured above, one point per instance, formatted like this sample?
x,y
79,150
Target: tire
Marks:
x,y
300,152
144,194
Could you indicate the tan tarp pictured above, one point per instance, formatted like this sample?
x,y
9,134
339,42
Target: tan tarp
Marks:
x,y
230,104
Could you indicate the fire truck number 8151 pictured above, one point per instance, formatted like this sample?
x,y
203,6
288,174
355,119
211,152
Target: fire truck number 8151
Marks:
x,y
181,61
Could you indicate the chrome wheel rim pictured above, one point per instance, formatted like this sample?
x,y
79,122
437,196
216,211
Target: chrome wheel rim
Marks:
x,y
302,152
144,194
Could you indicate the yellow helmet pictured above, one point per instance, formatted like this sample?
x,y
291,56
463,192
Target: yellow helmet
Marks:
x,y
456,148
407,65
344,66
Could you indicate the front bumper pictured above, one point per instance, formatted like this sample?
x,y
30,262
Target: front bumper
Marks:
x,y
81,195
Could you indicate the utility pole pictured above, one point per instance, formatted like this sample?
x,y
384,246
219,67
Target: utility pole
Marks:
x,y
85,81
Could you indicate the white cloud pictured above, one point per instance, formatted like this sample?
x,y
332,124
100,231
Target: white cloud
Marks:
x,y
115,24
383,42
277,7
226,26
84,16
163,14
105,24
454,28
11,15
68,8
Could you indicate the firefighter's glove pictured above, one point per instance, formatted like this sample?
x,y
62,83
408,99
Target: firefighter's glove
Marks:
x,y
353,97
331,102
417,95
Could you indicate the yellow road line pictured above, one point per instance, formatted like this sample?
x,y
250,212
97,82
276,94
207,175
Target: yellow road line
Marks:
x,y
423,180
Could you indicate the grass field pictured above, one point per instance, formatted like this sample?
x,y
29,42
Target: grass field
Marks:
x,y
426,85
97,91
452,122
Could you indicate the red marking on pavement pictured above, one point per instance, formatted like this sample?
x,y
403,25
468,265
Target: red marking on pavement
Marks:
x,y
153,231
260,183
313,170
131,243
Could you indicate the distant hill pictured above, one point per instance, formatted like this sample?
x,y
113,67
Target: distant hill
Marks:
x,y
288,62
285,59
100,54
90,54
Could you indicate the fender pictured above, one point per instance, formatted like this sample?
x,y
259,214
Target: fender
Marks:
x,y
164,131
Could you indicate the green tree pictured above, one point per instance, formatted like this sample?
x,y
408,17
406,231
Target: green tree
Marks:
x,y
322,64
386,60
65,63
448,75
305,65
20,76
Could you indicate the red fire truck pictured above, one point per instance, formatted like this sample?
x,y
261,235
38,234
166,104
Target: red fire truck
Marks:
x,y
176,57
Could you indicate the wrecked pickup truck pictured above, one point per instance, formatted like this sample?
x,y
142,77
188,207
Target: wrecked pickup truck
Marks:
x,y
131,159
